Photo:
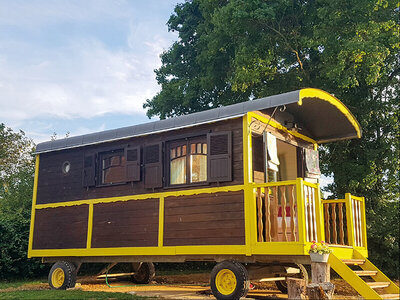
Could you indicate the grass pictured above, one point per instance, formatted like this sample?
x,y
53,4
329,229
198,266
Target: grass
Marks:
x,y
18,283
55,294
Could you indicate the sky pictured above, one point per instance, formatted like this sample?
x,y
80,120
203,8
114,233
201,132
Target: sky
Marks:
x,y
78,67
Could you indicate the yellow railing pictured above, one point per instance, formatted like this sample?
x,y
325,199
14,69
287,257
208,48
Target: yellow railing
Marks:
x,y
345,221
288,211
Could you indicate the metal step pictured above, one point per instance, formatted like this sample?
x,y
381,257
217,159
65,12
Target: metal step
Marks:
x,y
390,296
353,261
366,273
378,285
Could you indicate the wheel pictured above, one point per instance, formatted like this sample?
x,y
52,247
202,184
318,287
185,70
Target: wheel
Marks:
x,y
145,274
282,284
229,280
62,275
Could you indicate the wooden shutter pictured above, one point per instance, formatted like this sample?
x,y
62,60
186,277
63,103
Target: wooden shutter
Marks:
x,y
219,159
89,170
132,157
153,168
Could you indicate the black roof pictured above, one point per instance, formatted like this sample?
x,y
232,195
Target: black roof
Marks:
x,y
292,100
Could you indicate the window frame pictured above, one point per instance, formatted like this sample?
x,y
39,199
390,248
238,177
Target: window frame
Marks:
x,y
185,142
99,161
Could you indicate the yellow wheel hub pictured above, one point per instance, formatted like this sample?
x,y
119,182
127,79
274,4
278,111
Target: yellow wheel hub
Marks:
x,y
57,278
225,282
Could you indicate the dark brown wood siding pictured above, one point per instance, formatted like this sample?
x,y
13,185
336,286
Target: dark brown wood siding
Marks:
x,y
55,186
205,219
61,227
125,224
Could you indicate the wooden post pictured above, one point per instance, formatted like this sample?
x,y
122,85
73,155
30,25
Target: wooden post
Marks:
x,y
321,287
296,288
317,291
320,272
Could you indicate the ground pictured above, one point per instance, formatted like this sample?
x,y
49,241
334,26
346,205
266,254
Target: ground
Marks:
x,y
190,286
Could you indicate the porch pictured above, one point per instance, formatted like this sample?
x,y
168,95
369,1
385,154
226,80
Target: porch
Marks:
x,y
291,214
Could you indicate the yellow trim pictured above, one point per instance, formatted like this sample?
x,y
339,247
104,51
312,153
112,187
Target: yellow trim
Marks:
x,y
231,188
301,222
90,227
350,221
136,251
35,185
277,183
210,250
161,223
280,248
333,201
320,214
247,179
364,226
322,95
281,127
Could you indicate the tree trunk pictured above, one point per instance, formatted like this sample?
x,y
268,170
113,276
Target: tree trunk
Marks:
x,y
320,272
316,291
296,288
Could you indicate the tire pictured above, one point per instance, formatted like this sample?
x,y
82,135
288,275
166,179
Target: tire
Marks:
x,y
62,275
145,274
229,280
282,284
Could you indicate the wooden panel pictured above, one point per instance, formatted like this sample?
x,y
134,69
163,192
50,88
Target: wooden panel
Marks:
x,y
125,224
205,219
54,186
61,227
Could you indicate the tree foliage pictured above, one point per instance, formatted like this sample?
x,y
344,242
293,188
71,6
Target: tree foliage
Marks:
x,y
232,51
16,186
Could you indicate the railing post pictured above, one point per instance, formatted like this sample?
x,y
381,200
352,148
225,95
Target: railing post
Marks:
x,y
350,221
301,210
320,215
364,223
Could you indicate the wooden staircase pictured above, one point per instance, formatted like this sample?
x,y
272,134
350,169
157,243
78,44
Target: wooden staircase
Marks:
x,y
367,289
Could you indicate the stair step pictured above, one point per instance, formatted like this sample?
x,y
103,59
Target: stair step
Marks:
x,y
378,284
390,296
353,261
366,273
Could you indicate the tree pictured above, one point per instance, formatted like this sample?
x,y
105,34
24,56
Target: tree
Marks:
x,y
232,51
16,186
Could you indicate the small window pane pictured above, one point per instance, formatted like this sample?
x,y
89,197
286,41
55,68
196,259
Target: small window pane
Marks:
x,y
173,153
178,151
199,148
204,148
113,168
193,148
115,161
198,168
178,170
184,150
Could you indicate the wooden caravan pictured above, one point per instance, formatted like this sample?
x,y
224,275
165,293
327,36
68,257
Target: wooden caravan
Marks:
x,y
236,185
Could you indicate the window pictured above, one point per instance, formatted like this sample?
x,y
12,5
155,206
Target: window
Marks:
x,y
188,161
112,167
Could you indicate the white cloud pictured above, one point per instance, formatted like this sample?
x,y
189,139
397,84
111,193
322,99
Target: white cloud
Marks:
x,y
80,80
24,13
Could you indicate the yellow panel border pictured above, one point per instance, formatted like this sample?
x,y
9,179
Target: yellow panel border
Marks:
x,y
34,196
161,223
210,190
320,94
90,227
276,125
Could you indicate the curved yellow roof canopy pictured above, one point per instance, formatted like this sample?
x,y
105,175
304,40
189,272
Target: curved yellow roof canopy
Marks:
x,y
311,93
